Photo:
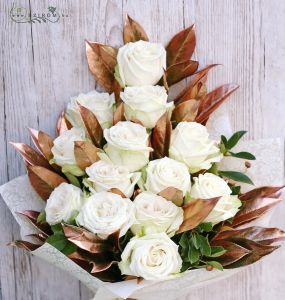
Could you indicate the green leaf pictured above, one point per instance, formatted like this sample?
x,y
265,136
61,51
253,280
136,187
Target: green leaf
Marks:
x,y
58,241
216,265
72,179
213,169
207,227
236,176
69,248
57,229
184,240
234,139
235,189
217,251
244,155
224,140
72,169
193,255
204,245
41,217
194,240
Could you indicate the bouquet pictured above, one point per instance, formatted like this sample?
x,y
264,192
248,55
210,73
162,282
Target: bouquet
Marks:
x,y
133,187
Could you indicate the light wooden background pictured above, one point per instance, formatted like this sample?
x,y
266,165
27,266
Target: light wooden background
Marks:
x,y
42,65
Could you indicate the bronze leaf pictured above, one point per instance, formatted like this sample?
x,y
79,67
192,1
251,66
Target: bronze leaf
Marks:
x,y
265,236
213,100
62,124
160,138
118,192
196,88
92,125
253,209
24,245
85,154
186,111
181,46
195,213
180,71
119,114
234,252
32,216
43,180
257,251
262,192
102,60
31,156
172,194
133,31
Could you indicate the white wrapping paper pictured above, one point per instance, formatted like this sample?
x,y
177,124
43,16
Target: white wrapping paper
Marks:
x,y
266,170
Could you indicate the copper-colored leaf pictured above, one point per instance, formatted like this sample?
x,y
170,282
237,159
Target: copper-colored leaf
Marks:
x,y
62,124
102,60
85,154
43,180
24,245
186,111
32,216
172,194
213,100
181,46
89,241
133,31
119,114
262,192
118,192
43,142
196,88
196,211
31,156
179,71
257,251
234,252
92,125
40,237
265,236
99,262
253,208
160,139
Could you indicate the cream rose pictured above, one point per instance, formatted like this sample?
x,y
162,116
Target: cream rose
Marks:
x,y
166,172
190,144
141,63
155,214
104,213
145,104
63,204
63,146
208,186
101,104
152,257
105,176
127,145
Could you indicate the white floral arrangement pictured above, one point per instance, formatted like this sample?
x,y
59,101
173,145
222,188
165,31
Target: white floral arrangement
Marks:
x,y
132,184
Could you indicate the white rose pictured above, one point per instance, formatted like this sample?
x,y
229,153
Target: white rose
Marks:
x,y
155,214
63,146
190,144
101,104
127,145
152,257
104,213
145,104
208,186
166,172
63,204
105,176
141,63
